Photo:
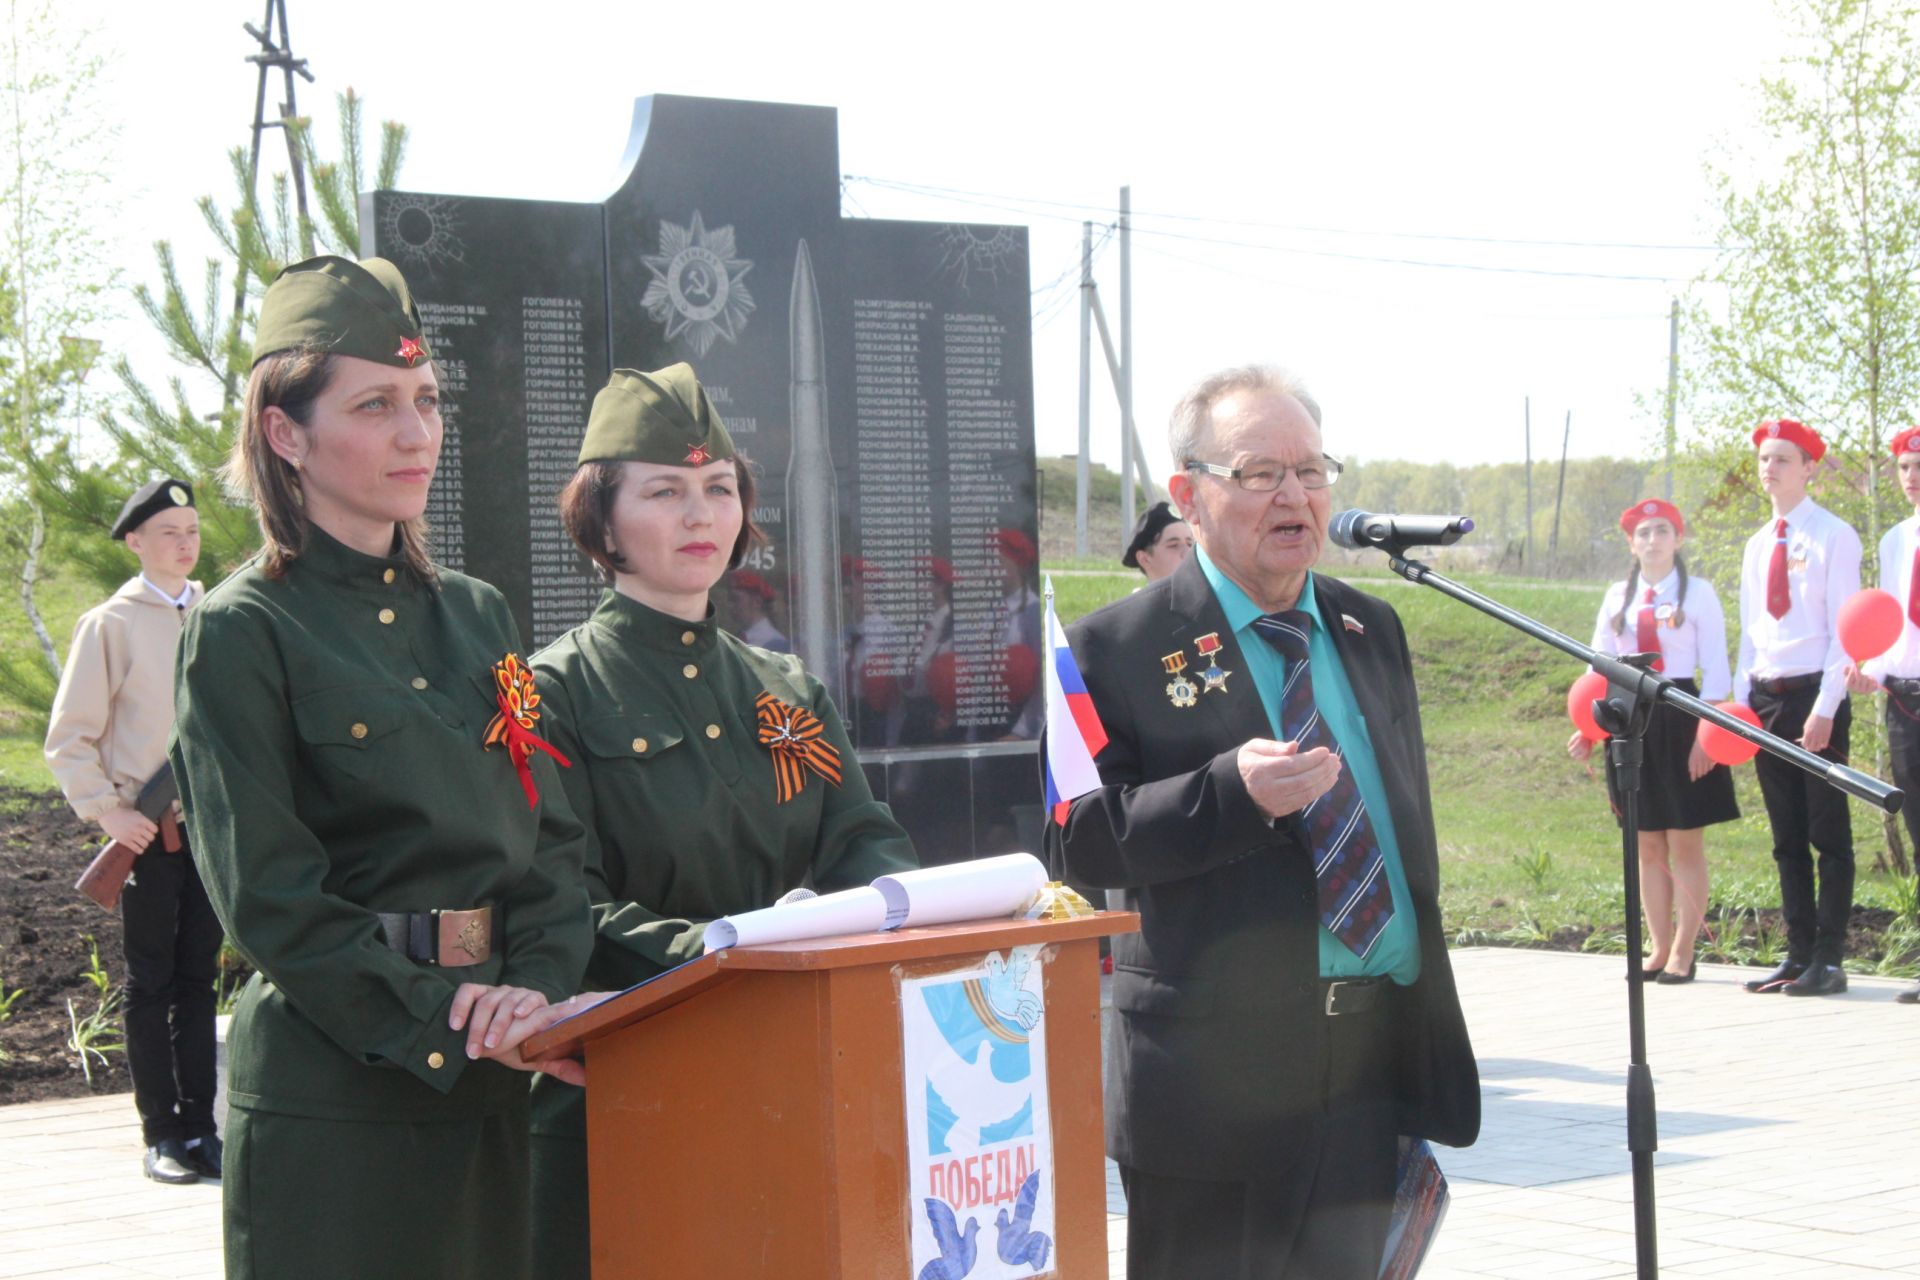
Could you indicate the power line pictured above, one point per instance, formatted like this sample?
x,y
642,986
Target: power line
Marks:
x,y
989,202
914,188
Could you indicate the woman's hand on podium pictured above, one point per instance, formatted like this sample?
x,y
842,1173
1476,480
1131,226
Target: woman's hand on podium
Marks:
x,y
507,1050
488,1012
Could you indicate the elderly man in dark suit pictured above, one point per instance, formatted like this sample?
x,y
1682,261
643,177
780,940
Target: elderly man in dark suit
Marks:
x,y
1287,1010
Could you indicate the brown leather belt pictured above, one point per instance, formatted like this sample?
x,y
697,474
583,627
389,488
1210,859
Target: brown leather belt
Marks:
x,y
447,939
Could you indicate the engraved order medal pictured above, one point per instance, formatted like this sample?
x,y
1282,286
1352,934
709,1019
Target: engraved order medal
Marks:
x,y
1181,691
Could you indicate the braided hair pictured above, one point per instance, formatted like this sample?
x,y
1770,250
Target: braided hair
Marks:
x,y
1633,580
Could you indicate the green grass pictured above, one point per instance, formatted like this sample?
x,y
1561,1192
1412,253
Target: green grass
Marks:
x,y
1528,843
61,599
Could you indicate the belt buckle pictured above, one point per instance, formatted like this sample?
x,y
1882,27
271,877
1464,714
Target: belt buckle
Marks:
x,y
462,937
1333,994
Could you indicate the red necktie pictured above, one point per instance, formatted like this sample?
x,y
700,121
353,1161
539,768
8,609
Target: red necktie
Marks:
x,y
1646,629
1913,589
1779,599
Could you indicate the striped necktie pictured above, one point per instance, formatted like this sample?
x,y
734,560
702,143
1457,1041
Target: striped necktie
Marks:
x,y
1355,900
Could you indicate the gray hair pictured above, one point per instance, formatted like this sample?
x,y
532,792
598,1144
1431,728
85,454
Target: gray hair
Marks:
x,y
1190,416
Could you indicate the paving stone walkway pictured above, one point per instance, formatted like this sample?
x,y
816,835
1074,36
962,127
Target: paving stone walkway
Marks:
x,y
1789,1132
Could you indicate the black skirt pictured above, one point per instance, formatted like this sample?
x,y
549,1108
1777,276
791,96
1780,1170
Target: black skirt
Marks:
x,y
1669,799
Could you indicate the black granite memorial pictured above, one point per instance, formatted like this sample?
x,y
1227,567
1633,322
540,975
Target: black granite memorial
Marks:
x,y
879,374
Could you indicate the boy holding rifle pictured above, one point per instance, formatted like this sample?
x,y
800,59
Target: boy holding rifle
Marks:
x,y
106,742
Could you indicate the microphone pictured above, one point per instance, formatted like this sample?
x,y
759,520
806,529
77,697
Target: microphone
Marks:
x,y
1357,530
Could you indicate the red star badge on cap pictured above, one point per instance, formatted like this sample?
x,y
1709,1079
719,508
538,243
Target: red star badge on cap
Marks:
x,y
697,455
410,351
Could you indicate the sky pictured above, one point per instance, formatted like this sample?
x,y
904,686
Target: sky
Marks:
x,y
1297,170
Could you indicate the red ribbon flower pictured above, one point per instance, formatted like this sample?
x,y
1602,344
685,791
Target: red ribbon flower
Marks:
x,y
792,734
519,702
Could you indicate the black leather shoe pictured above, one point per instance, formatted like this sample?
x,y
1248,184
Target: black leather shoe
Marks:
x,y
1818,980
1910,996
166,1161
1787,972
203,1157
1668,978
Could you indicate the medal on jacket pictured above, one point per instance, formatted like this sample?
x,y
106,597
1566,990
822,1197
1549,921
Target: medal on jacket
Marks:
x,y
1181,691
1209,645
793,736
519,703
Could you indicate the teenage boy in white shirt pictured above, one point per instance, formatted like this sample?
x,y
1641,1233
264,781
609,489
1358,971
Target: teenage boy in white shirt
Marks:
x,y
1799,568
1897,671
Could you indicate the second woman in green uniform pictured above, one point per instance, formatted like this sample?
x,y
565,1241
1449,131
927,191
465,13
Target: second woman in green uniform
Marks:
x,y
713,777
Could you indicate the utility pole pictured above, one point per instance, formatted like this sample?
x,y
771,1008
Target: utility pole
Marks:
x,y
1128,445
1673,384
1526,543
1083,467
1553,547
1133,460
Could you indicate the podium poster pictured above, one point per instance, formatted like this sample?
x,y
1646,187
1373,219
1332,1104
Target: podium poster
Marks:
x,y
979,1132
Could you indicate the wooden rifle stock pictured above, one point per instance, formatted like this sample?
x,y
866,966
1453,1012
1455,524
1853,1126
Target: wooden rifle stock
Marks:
x,y
107,874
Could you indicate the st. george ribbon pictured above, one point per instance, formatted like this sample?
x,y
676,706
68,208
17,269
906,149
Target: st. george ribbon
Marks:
x,y
1358,530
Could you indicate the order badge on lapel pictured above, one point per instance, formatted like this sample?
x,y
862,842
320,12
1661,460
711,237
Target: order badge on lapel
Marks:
x,y
1181,691
1216,678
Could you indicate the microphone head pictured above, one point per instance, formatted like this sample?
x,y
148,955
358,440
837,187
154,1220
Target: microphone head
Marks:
x,y
1342,529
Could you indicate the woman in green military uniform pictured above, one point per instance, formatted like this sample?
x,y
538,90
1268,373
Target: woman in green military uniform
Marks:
x,y
378,827
713,777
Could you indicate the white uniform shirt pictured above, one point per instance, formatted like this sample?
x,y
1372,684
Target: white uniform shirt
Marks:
x,y
1698,642
1896,576
1823,570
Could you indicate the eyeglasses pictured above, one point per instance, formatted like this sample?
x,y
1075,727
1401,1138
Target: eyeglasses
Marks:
x,y
1265,477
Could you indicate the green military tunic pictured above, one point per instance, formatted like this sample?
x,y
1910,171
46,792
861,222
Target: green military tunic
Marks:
x,y
679,800
330,759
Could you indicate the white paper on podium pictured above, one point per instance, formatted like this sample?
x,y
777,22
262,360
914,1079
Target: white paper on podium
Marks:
x,y
980,890
861,910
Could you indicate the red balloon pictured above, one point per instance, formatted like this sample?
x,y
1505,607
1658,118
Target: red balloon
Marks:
x,y
1580,699
1723,747
1870,622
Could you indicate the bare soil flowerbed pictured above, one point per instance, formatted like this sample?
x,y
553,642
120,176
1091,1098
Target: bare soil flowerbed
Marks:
x,y
44,930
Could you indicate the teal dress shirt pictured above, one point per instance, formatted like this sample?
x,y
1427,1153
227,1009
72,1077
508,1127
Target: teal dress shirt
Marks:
x,y
1397,953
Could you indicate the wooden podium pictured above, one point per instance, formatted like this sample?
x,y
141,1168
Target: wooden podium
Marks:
x,y
746,1117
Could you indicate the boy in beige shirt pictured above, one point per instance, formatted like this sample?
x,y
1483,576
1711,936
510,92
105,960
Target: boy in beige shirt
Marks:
x,y
108,736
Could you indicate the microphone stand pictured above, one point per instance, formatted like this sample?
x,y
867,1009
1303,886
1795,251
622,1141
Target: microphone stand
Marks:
x,y
1633,690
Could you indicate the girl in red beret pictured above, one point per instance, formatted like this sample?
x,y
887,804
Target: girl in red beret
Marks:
x,y
1658,608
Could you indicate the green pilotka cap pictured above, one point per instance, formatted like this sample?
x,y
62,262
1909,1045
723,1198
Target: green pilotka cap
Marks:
x,y
361,309
661,417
